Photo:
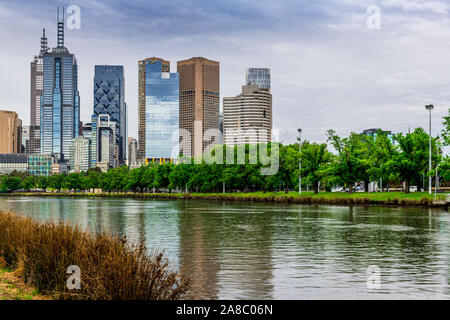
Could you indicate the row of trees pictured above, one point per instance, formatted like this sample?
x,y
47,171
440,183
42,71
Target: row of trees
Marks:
x,y
338,162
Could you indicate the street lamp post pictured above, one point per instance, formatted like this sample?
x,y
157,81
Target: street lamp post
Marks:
x,y
300,162
436,182
429,108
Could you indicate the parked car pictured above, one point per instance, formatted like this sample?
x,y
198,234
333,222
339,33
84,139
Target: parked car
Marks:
x,y
413,189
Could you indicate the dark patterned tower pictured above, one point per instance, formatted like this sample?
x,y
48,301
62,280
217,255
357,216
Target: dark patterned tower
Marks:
x,y
109,99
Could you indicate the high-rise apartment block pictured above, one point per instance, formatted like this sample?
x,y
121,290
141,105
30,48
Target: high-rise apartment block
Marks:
x,y
199,104
60,101
247,118
142,98
80,158
258,77
10,132
109,98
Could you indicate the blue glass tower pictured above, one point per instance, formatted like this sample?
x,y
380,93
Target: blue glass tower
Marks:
x,y
109,98
162,113
60,100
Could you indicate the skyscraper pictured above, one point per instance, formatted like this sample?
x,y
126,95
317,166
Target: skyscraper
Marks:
x,y
162,113
132,151
37,85
60,101
80,158
142,94
109,98
10,132
258,77
199,103
103,136
247,118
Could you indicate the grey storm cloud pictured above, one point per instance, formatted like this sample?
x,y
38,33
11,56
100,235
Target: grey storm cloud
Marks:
x,y
328,69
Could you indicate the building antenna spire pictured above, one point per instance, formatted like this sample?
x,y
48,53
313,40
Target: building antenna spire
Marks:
x,y
61,29
44,47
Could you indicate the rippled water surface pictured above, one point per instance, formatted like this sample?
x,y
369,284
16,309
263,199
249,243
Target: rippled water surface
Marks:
x,y
262,251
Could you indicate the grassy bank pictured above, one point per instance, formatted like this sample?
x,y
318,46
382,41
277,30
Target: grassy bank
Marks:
x,y
110,269
13,288
422,199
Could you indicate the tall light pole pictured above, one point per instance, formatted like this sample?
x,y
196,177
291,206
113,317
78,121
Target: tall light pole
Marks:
x,y
429,108
300,162
436,182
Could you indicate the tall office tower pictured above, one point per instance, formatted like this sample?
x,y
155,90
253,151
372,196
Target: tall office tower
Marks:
x,y
80,158
25,139
9,132
247,118
142,94
109,98
258,77
60,101
20,148
37,85
104,149
162,113
199,103
132,151
94,140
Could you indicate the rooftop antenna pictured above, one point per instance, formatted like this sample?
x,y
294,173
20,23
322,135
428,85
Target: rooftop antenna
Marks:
x,y
44,48
61,30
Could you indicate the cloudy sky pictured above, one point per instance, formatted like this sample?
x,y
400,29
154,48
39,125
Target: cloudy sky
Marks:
x,y
329,70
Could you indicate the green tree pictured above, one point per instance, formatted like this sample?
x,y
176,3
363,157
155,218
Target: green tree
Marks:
x,y
350,165
10,183
446,130
30,182
56,181
180,175
315,159
411,158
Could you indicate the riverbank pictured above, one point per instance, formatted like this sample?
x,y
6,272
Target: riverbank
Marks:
x,y
104,267
13,288
420,199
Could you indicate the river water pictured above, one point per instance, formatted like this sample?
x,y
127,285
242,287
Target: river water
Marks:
x,y
242,250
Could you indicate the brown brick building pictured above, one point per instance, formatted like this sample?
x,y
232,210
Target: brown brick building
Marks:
x,y
199,102
10,132
141,101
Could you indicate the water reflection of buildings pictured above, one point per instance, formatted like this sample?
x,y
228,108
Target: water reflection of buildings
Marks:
x,y
199,251
226,251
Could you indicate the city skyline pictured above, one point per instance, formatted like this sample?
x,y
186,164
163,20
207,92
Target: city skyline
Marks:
x,y
313,73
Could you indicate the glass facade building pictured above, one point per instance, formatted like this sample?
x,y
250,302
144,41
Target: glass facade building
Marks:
x,y
109,98
162,113
258,77
60,101
40,164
